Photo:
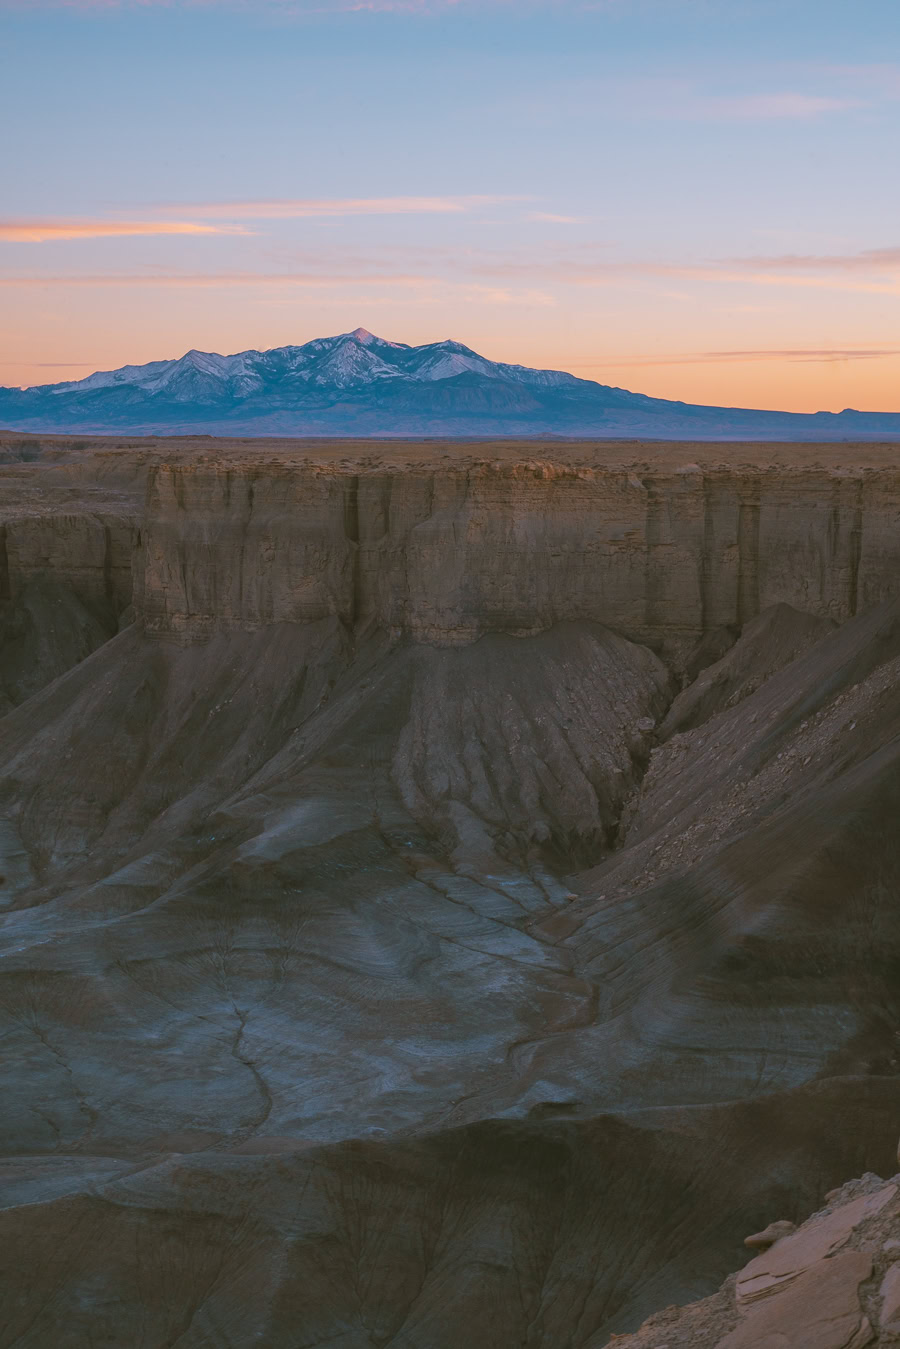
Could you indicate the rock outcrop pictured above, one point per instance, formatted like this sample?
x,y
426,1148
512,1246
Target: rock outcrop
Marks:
x,y
65,580
666,554
832,1284
662,557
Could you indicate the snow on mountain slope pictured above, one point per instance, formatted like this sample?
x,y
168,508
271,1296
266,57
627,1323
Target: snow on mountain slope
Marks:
x,y
358,384
348,360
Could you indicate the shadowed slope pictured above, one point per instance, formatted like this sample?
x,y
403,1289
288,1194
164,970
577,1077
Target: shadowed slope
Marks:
x,y
500,1233
231,878
45,633
295,907
773,639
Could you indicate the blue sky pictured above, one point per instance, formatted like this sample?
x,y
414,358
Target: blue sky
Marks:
x,y
697,198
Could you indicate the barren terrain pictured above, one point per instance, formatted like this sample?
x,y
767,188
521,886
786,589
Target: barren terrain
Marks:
x,y
448,889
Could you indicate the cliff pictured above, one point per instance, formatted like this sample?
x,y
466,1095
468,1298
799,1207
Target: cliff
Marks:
x,y
448,555
446,552
64,581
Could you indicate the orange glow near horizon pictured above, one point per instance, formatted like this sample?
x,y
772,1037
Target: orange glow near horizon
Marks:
x,y
101,324
781,383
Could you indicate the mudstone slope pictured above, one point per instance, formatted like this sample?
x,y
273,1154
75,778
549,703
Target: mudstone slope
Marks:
x,y
446,898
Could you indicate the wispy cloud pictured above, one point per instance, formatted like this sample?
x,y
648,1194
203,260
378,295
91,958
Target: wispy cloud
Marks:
x,y
876,260
766,107
749,98
872,271
881,77
414,285
549,218
805,356
42,231
312,208
217,279
876,271
224,217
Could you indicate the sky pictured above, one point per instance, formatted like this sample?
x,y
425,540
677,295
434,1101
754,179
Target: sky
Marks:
x,y
694,199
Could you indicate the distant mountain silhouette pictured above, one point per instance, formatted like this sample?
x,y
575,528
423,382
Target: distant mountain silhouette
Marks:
x,y
357,384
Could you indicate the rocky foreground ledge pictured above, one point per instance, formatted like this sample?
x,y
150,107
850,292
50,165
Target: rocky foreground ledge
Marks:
x,y
832,1283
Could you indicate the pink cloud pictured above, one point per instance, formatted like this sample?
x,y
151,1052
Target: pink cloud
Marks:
x,y
416,287
868,260
872,271
41,231
312,208
205,279
823,355
549,218
779,105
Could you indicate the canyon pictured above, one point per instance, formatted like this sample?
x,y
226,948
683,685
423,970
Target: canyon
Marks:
x,y
447,889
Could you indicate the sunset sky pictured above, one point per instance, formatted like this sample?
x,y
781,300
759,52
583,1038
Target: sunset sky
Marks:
x,y
696,199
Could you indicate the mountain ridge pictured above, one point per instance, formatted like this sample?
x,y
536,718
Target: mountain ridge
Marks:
x,y
358,384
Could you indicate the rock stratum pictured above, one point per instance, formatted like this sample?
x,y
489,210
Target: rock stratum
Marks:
x,y
833,1283
448,892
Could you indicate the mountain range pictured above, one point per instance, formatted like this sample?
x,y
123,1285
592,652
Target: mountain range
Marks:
x,y
356,384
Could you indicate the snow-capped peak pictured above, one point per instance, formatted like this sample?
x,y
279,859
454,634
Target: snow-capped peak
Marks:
x,y
367,339
349,360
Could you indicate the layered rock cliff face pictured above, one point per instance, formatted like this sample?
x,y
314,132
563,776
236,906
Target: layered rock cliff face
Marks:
x,y
447,552
447,555
65,580
90,555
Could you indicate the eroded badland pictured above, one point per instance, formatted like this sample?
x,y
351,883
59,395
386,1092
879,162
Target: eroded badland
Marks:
x,y
449,890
